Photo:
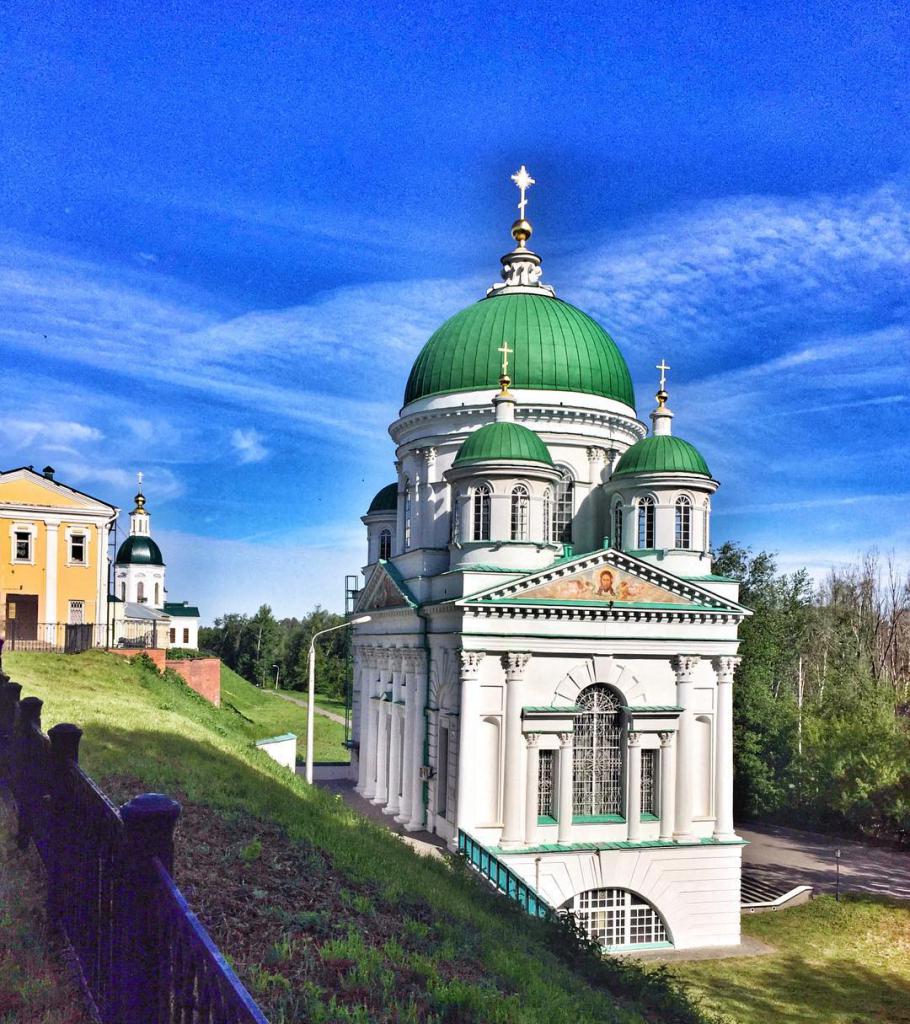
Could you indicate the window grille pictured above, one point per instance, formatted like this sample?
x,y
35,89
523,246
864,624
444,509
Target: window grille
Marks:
x,y
563,509
617,918
683,522
481,512
649,782
407,515
521,507
77,613
597,775
545,784
385,544
23,546
646,523
617,525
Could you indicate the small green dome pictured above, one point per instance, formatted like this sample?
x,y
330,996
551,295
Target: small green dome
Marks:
x,y
662,454
385,501
510,441
556,348
139,551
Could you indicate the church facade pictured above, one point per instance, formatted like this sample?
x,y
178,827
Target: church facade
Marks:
x,y
546,677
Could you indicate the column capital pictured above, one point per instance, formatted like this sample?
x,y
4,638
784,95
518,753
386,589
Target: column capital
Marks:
x,y
634,739
470,662
383,658
684,666
532,739
596,454
566,738
666,738
515,663
724,667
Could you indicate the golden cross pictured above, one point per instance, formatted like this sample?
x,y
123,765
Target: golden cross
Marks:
x,y
139,476
662,366
505,357
524,181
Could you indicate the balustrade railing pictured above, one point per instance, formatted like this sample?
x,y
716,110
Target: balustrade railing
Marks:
x,y
502,877
143,955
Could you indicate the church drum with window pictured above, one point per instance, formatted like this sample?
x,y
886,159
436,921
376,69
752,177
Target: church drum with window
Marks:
x,y
547,672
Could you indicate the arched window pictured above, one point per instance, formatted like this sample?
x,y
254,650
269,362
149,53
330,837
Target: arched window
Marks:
x,y
547,515
617,524
140,592
481,512
407,515
645,523
157,593
597,775
521,510
707,533
617,918
385,544
683,522
563,509
122,591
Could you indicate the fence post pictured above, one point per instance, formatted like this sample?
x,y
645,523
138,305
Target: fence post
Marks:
x,y
25,769
149,821
9,703
64,754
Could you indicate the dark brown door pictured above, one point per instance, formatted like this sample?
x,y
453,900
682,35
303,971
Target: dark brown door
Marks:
x,y
21,617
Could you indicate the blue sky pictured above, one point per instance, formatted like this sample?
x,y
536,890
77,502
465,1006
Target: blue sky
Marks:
x,y
225,233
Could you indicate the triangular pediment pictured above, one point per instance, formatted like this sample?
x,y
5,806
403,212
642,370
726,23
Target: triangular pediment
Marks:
x,y
608,579
26,488
385,589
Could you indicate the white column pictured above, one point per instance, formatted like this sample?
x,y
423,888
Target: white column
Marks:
x,y
566,772
407,758
101,636
381,792
633,788
723,761
684,667
396,723
50,576
667,785
532,771
368,678
363,657
469,711
515,753
417,695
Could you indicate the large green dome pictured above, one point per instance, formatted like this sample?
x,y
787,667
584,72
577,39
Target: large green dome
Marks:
x,y
386,500
139,551
509,441
661,454
556,348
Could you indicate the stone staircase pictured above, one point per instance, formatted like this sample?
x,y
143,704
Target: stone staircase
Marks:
x,y
758,894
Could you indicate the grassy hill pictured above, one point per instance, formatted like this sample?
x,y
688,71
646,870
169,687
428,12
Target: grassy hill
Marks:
x,y
326,916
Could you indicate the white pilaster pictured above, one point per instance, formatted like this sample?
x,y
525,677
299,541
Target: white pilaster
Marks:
x,y
633,789
667,785
417,696
566,771
364,657
394,791
467,725
724,668
50,577
515,752
684,667
532,771
381,792
407,760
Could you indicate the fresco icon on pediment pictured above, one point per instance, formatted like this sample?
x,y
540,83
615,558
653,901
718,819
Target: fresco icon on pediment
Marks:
x,y
604,583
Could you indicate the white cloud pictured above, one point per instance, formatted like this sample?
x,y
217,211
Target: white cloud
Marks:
x,y
248,446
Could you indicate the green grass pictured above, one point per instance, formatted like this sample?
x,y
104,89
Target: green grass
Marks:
x,y
463,953
260,714
834,963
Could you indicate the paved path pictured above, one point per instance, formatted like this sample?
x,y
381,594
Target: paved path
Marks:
x,y
319,711
787,857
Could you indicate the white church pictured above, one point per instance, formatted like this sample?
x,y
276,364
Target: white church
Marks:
x,y
546,677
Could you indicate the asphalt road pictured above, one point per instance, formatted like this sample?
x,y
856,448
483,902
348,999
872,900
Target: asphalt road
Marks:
x,y
787,857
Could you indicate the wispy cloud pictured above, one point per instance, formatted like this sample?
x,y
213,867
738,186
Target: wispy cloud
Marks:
x,y
248,446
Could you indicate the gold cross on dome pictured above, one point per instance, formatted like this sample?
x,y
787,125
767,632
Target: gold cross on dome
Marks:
x,y
506,351
139,478
524,181
662,366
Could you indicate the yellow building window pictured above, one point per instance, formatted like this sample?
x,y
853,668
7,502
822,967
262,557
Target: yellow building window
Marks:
x,y
22,546
77,549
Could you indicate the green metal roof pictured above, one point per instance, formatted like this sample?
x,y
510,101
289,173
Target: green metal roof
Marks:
x,y
509,441
181,609
662,454
556,348
547,709
386,500
643,709
139,551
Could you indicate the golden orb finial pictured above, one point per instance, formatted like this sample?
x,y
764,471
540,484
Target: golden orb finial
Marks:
x,y
522,231
662,395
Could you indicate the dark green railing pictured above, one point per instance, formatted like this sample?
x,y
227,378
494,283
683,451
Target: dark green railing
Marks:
x,y
502,877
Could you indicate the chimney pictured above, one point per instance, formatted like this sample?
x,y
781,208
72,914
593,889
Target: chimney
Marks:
x,y
48,472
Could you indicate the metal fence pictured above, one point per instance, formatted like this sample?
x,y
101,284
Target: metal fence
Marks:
x,y
143,956
502,877
71,638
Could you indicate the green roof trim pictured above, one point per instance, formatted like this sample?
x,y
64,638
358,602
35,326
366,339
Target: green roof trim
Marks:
x,y
139,551
710,577
399,582
180,609
508,441
386,500
550,709
644,709
643,844
275,739
556,348
662,454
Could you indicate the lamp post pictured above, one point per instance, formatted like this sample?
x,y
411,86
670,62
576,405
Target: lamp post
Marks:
x,y
277,669
311,696
837,868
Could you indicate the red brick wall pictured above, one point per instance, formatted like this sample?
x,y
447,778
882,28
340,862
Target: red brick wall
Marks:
x,y
201,674
158,655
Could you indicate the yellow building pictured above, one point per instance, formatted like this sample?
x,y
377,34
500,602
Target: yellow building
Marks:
x,y
53,557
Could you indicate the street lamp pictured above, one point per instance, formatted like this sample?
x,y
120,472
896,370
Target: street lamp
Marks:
x,y
837,866
311,696
277,669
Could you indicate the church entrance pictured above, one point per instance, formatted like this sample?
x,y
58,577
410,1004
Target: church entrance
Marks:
x,y
21,618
